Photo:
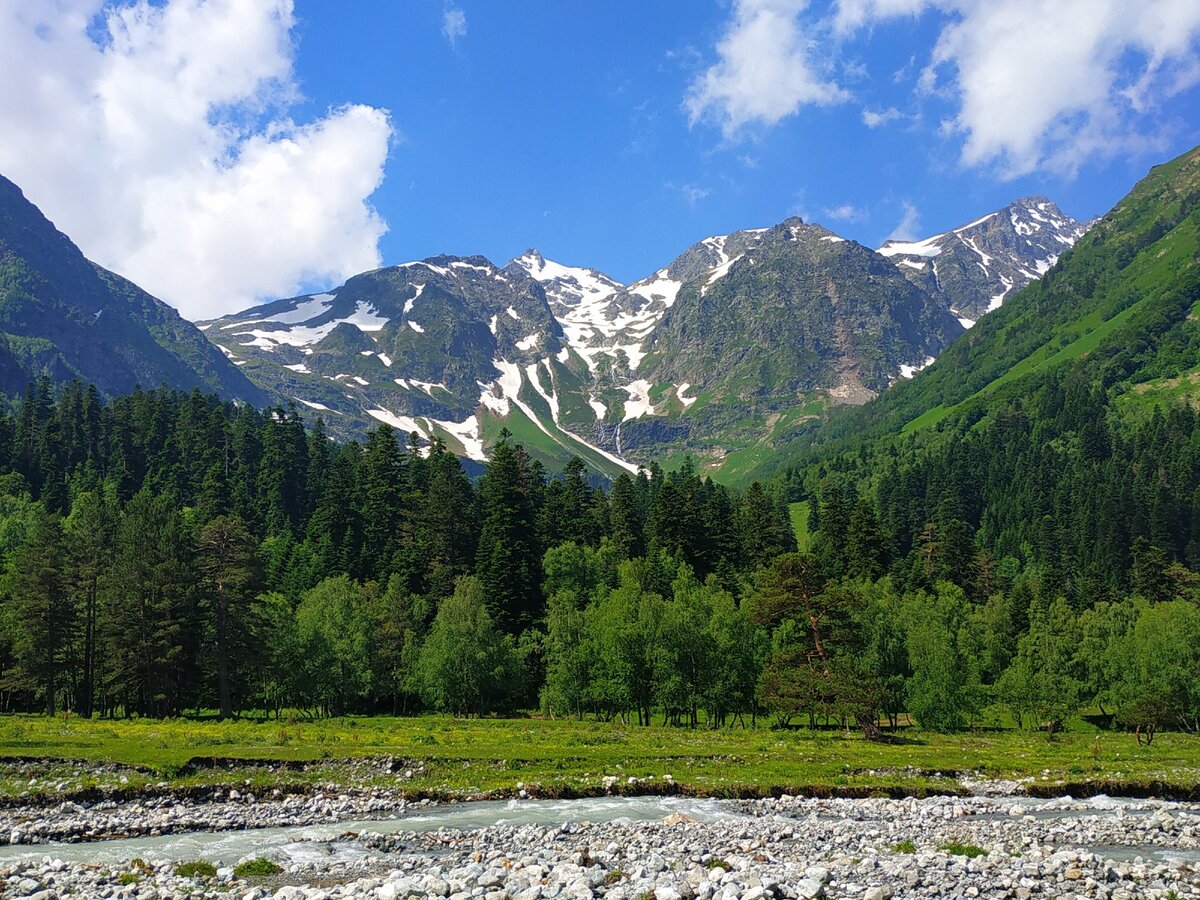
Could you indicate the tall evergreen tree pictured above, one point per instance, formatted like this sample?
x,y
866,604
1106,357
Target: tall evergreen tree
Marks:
x,y
38,611
228,562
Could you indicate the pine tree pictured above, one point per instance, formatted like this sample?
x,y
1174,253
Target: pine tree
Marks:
x,y
148,616
626,518
88,553
38,609
382,475
508,558
229,566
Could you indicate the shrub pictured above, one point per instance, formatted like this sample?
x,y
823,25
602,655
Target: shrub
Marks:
x,y
968,850
257,868
196,869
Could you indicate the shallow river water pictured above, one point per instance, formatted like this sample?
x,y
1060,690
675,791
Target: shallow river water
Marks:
x,y
308,843
320,843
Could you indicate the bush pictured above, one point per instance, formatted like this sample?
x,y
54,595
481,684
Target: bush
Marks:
x,y
968,850
257,868
196,869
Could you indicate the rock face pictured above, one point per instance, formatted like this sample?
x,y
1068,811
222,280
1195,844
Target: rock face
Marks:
x,y
975,267
449,348
797,309
65,317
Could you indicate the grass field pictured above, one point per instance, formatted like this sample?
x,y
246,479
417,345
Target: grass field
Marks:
x,y
564,758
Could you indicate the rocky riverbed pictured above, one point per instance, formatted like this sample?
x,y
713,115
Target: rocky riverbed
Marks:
x,y
783,849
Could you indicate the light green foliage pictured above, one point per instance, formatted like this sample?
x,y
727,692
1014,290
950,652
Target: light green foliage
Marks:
x,y
1044,684
943,693
467,665
1160,686
333,633
1103,649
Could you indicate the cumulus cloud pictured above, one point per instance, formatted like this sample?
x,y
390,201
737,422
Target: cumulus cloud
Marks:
x,y
454,23
909,226
765,69
156,135
1050,83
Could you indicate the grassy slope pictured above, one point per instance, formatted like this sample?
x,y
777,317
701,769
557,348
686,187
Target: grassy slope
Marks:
x,y
565,757
799,516
554,450
1100,296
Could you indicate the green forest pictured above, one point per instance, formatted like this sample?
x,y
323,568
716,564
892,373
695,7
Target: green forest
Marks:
x,y
170,554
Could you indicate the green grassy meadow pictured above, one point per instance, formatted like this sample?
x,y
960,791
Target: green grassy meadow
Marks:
x,y
566,757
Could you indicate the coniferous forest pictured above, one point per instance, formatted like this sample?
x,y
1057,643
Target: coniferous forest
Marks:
x,y
169,554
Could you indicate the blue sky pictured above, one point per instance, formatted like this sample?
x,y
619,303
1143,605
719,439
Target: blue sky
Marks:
x,y
567,131
220,151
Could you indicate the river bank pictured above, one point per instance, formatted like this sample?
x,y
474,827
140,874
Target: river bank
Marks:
x,y
1006,844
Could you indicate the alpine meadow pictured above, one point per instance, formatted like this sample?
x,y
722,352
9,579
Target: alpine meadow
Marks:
x,y
838,556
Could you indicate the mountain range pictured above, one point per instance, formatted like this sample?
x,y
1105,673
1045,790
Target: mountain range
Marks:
x,y
727,352
737,347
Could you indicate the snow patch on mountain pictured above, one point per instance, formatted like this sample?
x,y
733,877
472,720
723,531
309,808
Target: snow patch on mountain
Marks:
x,y
927,248
907,371
638,404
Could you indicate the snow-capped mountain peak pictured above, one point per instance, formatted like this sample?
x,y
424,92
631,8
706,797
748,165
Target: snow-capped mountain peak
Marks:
x,y
977,265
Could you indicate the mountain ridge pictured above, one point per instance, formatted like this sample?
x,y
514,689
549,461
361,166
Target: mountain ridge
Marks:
x,y
65,317
729,347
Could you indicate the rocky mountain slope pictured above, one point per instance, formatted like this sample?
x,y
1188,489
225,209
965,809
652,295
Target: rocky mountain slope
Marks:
x,y
450,348
725,352
976,266
66,317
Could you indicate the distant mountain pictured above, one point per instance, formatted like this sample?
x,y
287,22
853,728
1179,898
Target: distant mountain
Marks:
x,y
976,266
450,348
725,352
1060,433
66,317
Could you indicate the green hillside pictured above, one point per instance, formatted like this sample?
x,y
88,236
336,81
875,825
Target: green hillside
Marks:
x,y
1117,305
1061,430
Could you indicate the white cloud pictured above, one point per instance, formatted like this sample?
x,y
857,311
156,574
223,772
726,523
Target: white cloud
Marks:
x,y
845,213
165,151
909,226
454,23
1050,83
874,118
853,14
765,70
694,193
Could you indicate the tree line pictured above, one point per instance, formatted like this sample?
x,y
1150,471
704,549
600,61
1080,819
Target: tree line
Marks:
x,y
168,553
